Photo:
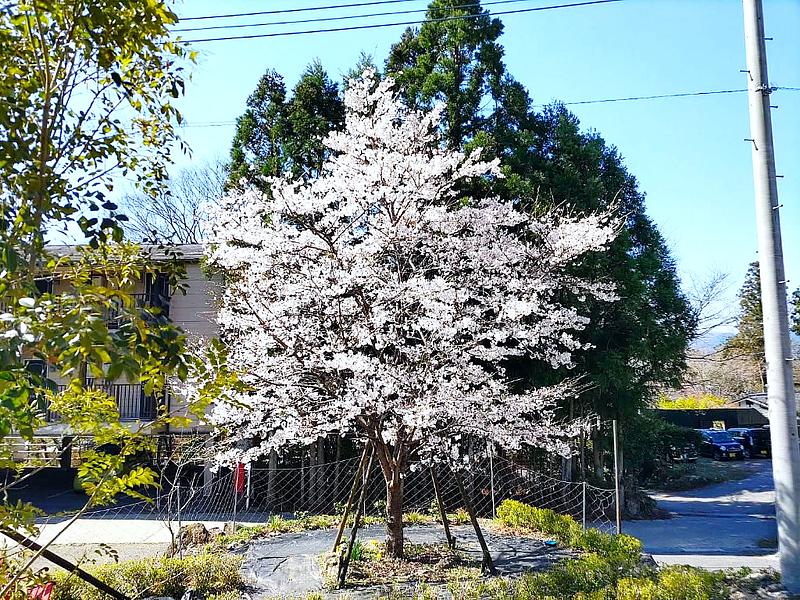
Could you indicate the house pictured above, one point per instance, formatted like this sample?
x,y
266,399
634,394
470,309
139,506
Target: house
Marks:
x,y
193,310
710,418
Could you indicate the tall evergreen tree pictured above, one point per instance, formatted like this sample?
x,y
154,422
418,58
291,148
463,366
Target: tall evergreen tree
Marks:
x,y
430,67
257,148
749,339
638,342
281,134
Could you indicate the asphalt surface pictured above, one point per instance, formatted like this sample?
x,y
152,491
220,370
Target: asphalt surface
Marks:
x,y
718,526
290,564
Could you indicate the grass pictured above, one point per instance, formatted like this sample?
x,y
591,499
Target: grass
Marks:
x,y
278,525
687,476
210,575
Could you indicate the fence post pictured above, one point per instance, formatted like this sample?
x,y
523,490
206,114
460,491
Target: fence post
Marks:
x,y
271,476
583,505
247,498
616,477
491,479
235,502
180,539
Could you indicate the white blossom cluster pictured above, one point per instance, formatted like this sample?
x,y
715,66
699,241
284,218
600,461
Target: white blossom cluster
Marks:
x,y
375,299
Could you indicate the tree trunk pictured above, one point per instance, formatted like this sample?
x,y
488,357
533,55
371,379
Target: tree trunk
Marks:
x,y
597,456
394,515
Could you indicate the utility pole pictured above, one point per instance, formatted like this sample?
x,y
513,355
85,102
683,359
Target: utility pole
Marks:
x,y
777,349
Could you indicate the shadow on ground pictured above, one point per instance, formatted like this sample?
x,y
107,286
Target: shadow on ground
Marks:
x,y
290,564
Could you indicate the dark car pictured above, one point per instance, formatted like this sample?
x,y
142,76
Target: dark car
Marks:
x,y
720,445
682,453
756,442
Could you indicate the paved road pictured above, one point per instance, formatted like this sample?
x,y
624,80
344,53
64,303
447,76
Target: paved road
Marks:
x,y
717,526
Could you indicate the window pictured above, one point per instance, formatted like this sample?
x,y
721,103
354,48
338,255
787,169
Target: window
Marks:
x,y
44,286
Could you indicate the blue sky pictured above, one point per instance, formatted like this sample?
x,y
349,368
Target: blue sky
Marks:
x,y
687,153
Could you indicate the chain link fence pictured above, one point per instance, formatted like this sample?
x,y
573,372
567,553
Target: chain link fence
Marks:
x,y
253,495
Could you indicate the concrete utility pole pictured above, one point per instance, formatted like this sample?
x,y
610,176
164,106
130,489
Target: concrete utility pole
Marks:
x,y
777,349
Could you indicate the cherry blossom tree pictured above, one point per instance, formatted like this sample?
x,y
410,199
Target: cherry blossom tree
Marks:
x,y
375,299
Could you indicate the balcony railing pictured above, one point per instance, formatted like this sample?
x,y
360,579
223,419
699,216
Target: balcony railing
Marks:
x,y
132,402
115,318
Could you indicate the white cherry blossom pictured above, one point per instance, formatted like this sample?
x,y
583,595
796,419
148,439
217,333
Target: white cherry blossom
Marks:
x,y
375,300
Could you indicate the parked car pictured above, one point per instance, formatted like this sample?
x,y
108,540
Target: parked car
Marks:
x,y
756,442
720,445
685,453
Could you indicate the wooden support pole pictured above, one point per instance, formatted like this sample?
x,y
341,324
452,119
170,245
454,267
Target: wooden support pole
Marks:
x,y
352,497
451,541
356,523
64,564
487,566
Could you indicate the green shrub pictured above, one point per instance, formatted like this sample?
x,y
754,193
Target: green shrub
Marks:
x,y
523,516
416,518
689,583
637,589
357,551
229,595
622,550
207,574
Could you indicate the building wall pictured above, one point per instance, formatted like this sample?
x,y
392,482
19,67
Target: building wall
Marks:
x,y
195,311
707,418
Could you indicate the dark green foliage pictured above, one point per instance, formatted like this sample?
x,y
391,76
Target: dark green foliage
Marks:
x,y
647,443
748,342
278,134
638,341
795,304
430,67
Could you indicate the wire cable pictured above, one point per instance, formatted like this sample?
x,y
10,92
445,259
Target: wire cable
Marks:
x,y
294,10
654,97
399,23
342,17
573,103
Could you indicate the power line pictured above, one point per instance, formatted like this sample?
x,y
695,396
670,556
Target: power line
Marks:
x,y
576,102
655,97
293,10
398,23
342,17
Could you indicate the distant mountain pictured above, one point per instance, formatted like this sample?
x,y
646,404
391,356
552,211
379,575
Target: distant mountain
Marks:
x,y
712,340
715,339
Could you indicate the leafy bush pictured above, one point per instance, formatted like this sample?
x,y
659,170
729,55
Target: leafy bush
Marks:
x,y
674,583
621,549
357,551
695,402
229,595
610,568
646,441
417,518
207,574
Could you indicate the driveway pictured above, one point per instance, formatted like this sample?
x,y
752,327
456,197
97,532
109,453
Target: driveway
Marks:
x,y
718,526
